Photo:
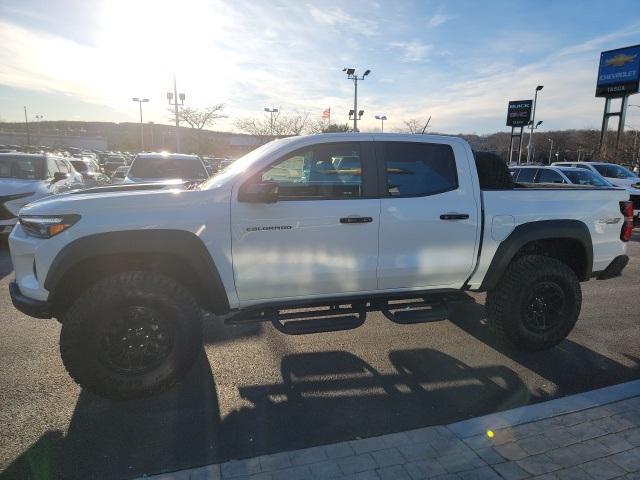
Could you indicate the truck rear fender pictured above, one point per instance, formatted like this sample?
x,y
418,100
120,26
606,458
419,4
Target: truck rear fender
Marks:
x,y
567,240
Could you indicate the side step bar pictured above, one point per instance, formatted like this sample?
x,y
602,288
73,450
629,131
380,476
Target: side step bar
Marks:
x,y
297,319
415,312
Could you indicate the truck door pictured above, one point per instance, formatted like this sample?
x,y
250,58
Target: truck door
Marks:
x,y
321,235
429,221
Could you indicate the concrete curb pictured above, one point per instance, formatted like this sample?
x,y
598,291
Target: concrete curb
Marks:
x,y
540,411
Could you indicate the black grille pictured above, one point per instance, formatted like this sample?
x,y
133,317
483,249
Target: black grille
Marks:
x,y
636,201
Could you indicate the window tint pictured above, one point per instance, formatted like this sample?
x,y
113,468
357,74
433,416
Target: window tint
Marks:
x,y
25,168
329,171
549,176
419,168
52,167
527,175
63,167
613,171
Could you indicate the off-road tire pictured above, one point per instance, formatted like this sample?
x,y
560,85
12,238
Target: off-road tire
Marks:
x,y
104,307
507,303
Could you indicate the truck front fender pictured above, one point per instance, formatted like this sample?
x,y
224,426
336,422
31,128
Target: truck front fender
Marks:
x,y
177,243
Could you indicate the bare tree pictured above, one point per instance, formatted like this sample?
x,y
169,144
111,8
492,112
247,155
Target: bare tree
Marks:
x,y
283,125
413,125
198,118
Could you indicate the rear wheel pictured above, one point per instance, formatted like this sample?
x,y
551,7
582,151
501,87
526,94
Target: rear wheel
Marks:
x,y
131,334
536,303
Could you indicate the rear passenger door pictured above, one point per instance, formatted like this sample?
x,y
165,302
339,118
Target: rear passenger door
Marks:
x,y
429,220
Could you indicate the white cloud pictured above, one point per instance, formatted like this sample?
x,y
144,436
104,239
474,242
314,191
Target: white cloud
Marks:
x,y
438,19
412,51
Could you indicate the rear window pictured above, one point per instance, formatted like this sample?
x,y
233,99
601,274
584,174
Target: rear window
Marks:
x,y
24,168
418,169
527,175
167,167
549,176
584,177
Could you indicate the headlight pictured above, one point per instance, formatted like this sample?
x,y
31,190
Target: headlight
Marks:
x,y
46,226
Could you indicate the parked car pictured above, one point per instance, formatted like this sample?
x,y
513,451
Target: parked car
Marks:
x,y
616,175
155,167
90,171
129,269
25,178
114,161
566,175
119,175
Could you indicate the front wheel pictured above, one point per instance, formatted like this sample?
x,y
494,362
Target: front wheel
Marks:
x,y
130,335
536,303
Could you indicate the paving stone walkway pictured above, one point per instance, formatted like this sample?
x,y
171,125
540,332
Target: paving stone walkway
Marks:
x,y
599,443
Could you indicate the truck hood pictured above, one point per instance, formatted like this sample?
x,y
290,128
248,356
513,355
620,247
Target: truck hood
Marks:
x,y
124,199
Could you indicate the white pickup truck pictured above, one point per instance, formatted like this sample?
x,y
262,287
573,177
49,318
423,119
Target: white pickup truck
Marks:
x,y
309,233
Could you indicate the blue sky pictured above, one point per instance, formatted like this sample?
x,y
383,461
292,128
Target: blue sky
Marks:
x,y
458,61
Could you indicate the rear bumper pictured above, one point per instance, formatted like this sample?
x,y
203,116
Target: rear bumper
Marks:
x,y
614,269
29,306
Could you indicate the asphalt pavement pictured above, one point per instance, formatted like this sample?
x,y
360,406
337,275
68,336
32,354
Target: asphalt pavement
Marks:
x,y
255,391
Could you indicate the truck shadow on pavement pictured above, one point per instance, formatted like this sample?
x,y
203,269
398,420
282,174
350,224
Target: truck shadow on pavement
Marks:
x,y
324,397
568,367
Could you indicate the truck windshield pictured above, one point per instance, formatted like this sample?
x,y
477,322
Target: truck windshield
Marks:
x,y
167,167
585,177
24,168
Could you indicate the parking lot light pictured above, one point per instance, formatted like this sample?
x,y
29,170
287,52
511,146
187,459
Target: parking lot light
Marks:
x,y
352,75
271,111
382,118
140,102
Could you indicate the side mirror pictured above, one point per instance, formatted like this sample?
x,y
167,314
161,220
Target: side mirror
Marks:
x,y
57,176
261,192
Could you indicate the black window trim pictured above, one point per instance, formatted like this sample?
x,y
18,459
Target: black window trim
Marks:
x,y
383,188
369,173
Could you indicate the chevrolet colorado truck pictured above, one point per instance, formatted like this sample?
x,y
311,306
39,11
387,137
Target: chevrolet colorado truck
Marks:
x,y
309,233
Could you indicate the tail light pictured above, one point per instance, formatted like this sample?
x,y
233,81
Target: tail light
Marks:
x,y
626,208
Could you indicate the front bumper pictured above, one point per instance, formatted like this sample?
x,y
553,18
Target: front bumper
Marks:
x,y
29,306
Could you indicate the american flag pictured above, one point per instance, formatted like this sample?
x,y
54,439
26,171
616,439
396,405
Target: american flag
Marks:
x,y
326,114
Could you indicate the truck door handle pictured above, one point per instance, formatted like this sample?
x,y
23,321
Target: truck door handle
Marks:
x,y
356,219
454,216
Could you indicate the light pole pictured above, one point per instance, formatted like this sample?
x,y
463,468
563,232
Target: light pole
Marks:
x,y
352,75
382,118
26,124
39,118
533,120
550,150
636,154
140,102
153,143
176,105
531,147
271,111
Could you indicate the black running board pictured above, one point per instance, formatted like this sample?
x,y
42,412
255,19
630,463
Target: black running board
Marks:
x,y
319,325
422,312
333,315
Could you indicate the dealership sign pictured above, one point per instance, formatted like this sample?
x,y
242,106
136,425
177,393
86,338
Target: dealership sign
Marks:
x,y
519,113
619,72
